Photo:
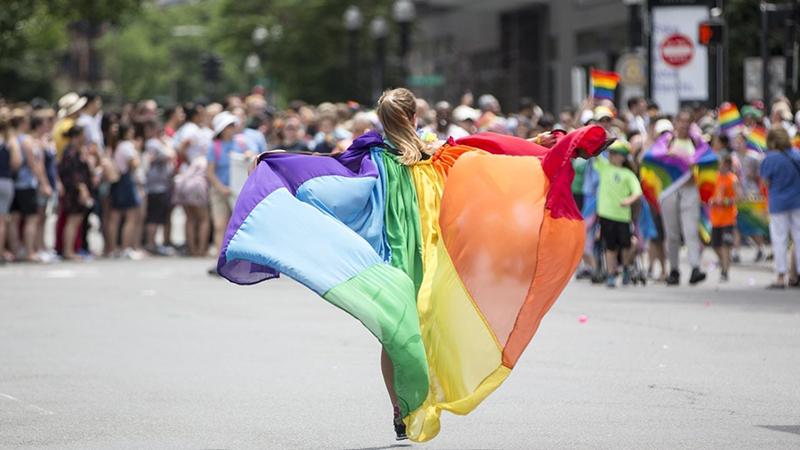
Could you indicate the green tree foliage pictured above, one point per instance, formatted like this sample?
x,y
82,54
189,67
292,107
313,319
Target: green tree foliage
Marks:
x,y
156,52
33,38
744,40
308,60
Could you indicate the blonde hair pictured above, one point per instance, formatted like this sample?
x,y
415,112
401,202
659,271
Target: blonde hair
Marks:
x,y
778,139
396,111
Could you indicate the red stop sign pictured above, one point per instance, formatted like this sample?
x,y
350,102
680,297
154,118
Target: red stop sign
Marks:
x,y
676,50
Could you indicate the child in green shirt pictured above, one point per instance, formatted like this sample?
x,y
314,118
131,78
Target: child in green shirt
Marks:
x,y
618,190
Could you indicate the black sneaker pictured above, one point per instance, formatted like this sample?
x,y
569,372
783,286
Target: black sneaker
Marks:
x,y
723,276
399,426
674,278
697,276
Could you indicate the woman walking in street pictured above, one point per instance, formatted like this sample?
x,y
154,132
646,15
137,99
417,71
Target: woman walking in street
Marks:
x,y
780,170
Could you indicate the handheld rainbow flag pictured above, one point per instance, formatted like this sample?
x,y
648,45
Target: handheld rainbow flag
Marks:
x,y
753,217
729,117
757,139
604,84
406,251
662,173
796,141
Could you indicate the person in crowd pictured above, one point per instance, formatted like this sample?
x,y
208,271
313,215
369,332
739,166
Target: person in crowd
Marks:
x,y
90,119
293,136
362,122
781,116
722,214
445,128
618,190
490,111
746,165
680,207
191,187
656,250
780,171
69,107
42,129
637,115
751,116
75,174
604,116
125,200
31,182
219,165
467,118
159,161
330,136
10,162
247,137
173,119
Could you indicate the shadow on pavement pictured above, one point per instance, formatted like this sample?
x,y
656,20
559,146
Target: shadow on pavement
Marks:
x,y
794,429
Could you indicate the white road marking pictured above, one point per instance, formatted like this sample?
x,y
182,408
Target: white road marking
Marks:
x,y
30,406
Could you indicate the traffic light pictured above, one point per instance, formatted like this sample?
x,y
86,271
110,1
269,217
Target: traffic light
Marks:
x,y
710,33
211,65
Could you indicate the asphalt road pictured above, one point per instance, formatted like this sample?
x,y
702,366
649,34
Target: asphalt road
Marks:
x,y
156,354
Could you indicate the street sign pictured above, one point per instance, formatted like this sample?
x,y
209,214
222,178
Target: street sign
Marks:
x,y
676,50
630,68
679,65
431,80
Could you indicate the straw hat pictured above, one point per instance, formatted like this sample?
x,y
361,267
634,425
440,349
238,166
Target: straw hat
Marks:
x,y
69,104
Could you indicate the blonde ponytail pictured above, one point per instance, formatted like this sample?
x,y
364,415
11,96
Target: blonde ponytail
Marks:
x,y
396,110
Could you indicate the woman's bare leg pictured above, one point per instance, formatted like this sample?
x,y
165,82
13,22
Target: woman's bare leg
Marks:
x,y
203,230
70,233
29,236
388,376
191,230
129,228
112,231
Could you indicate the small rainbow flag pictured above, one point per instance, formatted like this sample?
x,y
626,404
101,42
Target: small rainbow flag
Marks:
x,y
729,117
753,218
704,227
796,141
604,84
757,139
706,171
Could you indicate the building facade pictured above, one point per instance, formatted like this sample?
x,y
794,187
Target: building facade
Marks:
x,y
540,49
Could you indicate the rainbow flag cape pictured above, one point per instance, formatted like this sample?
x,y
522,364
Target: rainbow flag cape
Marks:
x,y
604,84
753,217
757,139
450,263
729,117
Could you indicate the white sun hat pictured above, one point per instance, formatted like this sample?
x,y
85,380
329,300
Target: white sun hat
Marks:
x,y
223,120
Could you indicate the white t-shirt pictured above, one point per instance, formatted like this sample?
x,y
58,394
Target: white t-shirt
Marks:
x,y
123,155
199,140
92,131
456,132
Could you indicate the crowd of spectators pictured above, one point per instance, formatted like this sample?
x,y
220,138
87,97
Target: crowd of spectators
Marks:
x,y
75,165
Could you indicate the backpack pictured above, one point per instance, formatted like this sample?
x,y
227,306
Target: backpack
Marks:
x,y
191,185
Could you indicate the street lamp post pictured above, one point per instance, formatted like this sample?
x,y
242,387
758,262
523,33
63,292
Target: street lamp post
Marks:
x,y
404,12
353,20
259,36
379,29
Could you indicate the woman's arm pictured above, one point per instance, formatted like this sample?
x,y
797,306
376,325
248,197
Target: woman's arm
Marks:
x,y
15,159
214,180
